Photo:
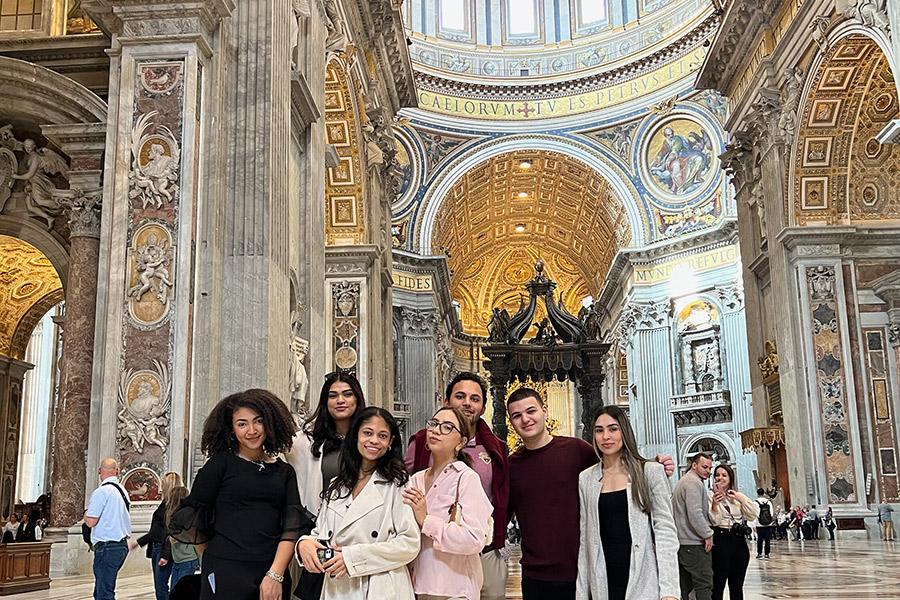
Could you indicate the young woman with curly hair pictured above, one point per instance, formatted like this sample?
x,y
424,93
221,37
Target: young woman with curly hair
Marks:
x,y
244,505
371,532
316,452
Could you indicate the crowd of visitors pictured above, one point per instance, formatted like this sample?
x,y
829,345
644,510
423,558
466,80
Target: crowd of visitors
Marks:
x,y
333,509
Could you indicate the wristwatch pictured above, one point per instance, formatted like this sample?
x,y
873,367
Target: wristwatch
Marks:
x,y
275,576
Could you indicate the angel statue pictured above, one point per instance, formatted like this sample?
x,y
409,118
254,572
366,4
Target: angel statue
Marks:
x,y
154,181
40,163
144,419
498,326
152,264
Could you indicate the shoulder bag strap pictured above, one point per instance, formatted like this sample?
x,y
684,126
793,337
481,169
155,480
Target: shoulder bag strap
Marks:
x,y
121,493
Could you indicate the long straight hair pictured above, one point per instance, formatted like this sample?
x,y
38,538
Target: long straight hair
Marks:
x,y
176,495
320,426
390,466
630,456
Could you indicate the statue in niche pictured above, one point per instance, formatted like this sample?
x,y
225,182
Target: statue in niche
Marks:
x,y
299,380
790,101
152,266
40,164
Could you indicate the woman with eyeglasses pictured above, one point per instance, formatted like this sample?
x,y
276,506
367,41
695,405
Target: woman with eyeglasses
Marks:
x,y
453,511
316,451
371,533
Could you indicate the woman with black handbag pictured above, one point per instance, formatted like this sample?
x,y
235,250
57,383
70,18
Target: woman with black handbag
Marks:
x,y
245,505
729,513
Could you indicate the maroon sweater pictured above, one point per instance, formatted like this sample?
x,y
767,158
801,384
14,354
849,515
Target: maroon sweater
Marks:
x,y
543,496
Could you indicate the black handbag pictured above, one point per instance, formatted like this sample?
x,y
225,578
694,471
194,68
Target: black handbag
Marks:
x,y
310,585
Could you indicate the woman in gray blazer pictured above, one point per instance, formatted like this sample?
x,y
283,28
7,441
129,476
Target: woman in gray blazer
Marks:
x,y
629,546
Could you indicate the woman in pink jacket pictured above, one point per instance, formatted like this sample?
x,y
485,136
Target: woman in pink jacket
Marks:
x,y
453,511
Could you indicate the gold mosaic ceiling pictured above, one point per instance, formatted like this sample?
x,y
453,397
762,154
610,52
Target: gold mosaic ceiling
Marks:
x,y
29,287
509,211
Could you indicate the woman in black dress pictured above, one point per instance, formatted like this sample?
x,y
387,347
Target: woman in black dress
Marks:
x,y
244,505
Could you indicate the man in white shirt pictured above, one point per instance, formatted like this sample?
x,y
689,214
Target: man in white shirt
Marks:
x,y
107,516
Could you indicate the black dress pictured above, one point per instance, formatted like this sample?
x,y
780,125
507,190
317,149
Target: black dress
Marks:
x,y
243,510
615,535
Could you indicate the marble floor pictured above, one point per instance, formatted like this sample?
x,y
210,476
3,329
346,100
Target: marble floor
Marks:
x,y
818,570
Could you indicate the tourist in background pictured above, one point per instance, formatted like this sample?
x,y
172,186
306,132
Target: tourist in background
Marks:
x,y
107,516
887,523
452,509
11,528
690,505
181,558
629,544
830,523
155,538
316,451
30,529
765,523
371,531
245,503
729,513
782,520
490,459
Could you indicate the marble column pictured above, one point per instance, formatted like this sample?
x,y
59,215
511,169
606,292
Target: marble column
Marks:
x,y
416,354
650,369
73,410
12,375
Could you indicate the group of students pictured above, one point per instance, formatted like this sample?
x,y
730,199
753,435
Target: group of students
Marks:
x,y
366,521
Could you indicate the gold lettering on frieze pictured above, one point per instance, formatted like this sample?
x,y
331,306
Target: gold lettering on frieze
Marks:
x,y
705,261
534,109
412,282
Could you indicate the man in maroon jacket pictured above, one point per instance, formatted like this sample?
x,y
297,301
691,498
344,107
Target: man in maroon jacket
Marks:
x,y
489,454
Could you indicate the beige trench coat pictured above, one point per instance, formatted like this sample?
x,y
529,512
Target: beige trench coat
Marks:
x,y
378,536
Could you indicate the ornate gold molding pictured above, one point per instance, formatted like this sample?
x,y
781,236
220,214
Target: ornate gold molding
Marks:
x,y
758,438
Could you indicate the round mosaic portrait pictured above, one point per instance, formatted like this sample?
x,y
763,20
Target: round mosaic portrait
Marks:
x,y
679,159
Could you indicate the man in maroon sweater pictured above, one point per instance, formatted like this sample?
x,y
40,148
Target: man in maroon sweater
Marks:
x,y
543,496
490,457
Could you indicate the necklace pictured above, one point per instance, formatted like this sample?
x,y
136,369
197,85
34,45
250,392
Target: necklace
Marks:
x,y
259,463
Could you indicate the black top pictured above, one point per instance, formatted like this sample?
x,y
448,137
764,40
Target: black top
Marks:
x,y
157,531
615,535
242,509
331,465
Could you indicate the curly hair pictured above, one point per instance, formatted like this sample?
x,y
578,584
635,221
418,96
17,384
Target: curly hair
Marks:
x,y
390,466
218,430
320,426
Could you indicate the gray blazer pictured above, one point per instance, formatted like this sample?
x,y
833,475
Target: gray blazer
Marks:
x,y
653,571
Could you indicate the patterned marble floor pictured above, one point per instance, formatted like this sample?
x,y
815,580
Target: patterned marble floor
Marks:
x,y
819,570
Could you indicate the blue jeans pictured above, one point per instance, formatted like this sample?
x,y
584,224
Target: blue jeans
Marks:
x,y
180,570
108,559
160,574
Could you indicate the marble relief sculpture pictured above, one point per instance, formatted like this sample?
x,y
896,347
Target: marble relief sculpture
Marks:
x,y
871,13
155,164
297,375
40,164
152,266
143,398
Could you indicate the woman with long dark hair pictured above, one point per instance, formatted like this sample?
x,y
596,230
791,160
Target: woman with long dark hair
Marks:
x,y
315,453
626,519
729,512
452,509
371,533
244,504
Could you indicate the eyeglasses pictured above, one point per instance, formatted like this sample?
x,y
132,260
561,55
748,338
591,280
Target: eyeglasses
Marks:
x,y
443,427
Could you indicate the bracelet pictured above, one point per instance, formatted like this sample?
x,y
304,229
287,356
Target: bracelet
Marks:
x,y
275,576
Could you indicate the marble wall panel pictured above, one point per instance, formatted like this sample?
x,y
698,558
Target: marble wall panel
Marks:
x,y
831,385
882,410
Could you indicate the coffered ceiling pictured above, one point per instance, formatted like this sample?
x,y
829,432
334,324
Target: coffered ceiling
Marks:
x,y
514,208
29,287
